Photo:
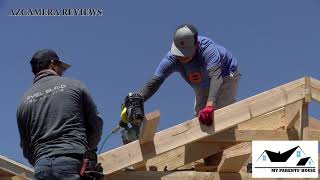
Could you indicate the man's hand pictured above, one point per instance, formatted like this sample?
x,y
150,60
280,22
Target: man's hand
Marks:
x,y
206,115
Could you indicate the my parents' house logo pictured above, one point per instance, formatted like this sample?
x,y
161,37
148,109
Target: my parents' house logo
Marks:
x,y
293,155
283,159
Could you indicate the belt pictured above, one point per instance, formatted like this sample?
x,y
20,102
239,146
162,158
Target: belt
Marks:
x,y
71,155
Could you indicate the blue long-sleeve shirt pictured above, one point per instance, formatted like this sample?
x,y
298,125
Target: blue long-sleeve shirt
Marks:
x,y
208,67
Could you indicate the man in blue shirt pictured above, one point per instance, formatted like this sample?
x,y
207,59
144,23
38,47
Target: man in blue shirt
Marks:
x,y
210,69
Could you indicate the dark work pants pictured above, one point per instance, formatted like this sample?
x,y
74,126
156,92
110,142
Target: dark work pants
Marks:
x,y
56,168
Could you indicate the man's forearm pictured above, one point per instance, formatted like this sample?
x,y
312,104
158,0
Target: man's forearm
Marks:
x,y
216,81
95,132
94,122
24,139
93,141
150,88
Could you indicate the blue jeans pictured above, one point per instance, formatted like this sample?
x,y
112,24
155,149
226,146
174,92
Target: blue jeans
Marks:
x,y
51,168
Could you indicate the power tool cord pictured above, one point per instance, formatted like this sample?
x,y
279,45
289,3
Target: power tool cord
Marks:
x,y
114,130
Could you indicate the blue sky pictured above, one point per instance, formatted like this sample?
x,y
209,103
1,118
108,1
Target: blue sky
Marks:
x,y
274,41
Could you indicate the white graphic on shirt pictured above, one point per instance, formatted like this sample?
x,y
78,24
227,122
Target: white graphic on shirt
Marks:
x,y
44,94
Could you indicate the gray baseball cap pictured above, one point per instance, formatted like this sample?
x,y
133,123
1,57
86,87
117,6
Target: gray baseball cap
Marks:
x,y
184,41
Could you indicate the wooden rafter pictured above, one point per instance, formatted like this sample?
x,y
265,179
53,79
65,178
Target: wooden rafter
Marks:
x,y
235,135
14,168
191,131
215,143
181,175
185,175
148,131
314,123
234,157
191,152
186,154
280,120
304,119
312,132
269,121
292,114
315,89
149,127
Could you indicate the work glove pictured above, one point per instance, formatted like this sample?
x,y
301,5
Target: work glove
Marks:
x,y
206,115
123,116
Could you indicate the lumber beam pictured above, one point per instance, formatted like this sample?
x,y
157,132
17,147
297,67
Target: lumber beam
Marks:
x,y
284,117
177,175
314,123
185,155
311,134
5,177
304,119
189,153
230,160
292,114
149,127
269,121
4,173
14,167
315,89
235,157
191,130
185,175
308,87
216,143
236,135
304,112
315,94
20,177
